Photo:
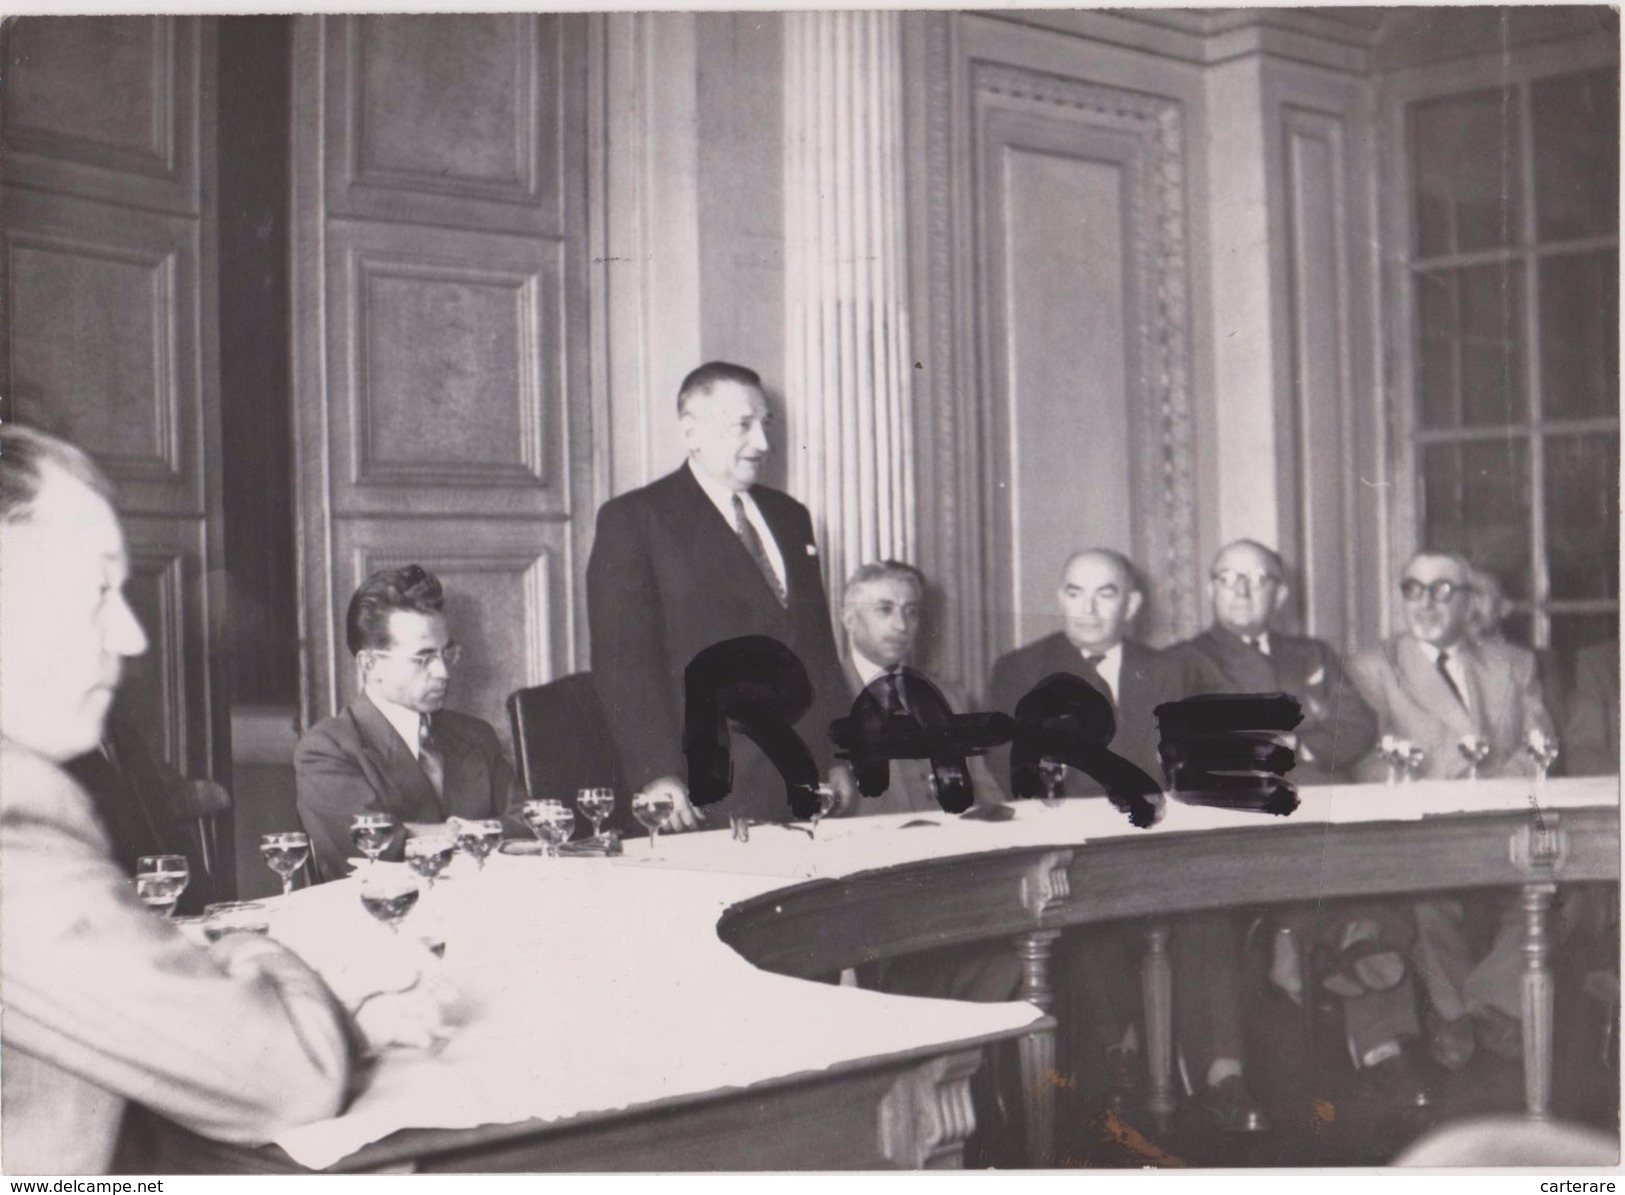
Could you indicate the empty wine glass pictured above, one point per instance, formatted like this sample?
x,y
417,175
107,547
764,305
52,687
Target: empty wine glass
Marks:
x,y
479,838
1053,773
160,880
597,804
389,896
1396,753
285,854
1475,749
826,805
652,809
371,832
429,854
551,821
1542,748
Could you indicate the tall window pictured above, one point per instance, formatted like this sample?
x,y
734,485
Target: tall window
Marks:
x,y
1514,262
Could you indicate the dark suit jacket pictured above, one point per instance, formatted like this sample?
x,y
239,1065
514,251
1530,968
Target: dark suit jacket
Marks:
x,y
1412,701
1302,667
669,577
1147,679
909,788
1591,731
355,762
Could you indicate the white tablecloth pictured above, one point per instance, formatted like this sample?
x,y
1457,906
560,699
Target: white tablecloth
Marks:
x,y
592,985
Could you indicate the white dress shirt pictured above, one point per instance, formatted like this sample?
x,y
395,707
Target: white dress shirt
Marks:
x,y
1453,666
406,722
866,668
1110,668
723,499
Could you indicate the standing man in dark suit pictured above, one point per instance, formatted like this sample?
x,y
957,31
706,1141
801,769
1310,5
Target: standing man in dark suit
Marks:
x,y
395,749
1364,944
1100,597
701,556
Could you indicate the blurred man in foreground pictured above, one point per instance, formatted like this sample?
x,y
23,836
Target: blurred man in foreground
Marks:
x,y
107,1006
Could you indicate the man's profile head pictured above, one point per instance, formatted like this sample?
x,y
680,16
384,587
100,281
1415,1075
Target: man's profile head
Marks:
x,y
1247,585
397,629
1099,598
881,611
1436,589
724,419
65,627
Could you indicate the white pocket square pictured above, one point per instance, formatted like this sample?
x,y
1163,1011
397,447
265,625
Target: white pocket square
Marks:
x,y
812,549
1317,677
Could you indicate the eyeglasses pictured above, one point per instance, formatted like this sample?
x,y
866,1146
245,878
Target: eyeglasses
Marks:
x,y
1441,592
448,656
1233,581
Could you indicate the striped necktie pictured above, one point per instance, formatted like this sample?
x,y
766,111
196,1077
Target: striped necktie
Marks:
x,y
1444,658
431,760
753,544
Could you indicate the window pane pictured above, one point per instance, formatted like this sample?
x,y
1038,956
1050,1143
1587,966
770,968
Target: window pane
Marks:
x,y
1464,158
1582,515
1475,500
1471,338
1576,135
1570,633
1579,334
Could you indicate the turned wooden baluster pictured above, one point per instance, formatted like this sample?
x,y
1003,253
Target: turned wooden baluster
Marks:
x,y
1157,981
1038,1047
1538,990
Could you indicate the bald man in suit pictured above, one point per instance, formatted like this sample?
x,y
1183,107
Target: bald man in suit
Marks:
x,y
701,556
1435,686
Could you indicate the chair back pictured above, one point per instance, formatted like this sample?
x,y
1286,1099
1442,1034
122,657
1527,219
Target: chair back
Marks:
x,y
562,744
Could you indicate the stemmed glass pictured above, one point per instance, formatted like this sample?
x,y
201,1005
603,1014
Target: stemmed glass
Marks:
x,y
826,806
285,854
1053,773
428,855
1475,749
389,897
371,832
479,838
1403,758
1542,748
597,804
551,821
160,880
652,809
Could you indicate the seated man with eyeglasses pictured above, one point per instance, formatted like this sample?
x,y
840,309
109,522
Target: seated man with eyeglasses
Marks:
x,y
394,749
1454,697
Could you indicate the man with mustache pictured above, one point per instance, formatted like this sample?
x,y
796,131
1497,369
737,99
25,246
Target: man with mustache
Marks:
x,y
699,557
395,749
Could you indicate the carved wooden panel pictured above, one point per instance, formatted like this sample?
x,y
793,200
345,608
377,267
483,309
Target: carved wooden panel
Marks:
x,y
450,374
1315,454
103,347
1107,357
156,687
506,587
453,120
103,107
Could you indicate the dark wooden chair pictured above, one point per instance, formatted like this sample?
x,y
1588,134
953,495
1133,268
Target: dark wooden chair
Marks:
x,y
562,744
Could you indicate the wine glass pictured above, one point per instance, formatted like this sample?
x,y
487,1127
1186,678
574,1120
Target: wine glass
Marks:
x,y
1396,753
371,832
1053,773
389,897
285,854
1542,748
428,855
826,806
652,809
1475,749
597,804
551,821
160,880
479,838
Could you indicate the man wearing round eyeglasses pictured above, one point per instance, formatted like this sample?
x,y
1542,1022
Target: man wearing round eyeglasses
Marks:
x,y
395,749
1437,687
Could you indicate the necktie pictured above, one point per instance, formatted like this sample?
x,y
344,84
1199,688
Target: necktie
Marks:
x,y
1444,657
1091,673
894,692
758,553
430,759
